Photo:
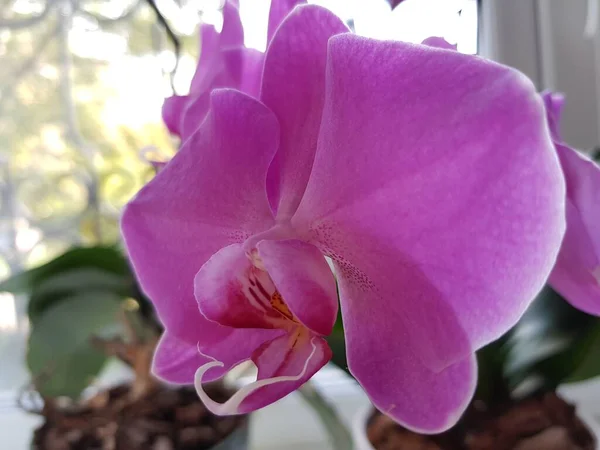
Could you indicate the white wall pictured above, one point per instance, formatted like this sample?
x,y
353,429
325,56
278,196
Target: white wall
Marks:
x,y
545,39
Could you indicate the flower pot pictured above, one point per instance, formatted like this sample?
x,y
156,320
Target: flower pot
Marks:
x,y
164,418
361,440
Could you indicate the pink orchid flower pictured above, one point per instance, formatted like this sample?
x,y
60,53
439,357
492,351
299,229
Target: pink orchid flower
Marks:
x,y
427,176
224,62
576,275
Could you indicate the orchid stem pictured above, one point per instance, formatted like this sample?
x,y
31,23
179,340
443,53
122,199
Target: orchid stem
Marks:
x,y
339,436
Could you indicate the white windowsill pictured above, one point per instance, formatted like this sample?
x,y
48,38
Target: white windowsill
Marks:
x,y
289,423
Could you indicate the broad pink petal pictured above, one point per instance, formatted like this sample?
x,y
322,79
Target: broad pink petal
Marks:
x,y
209,63
172,111
382,357
294,89
212,44
241,69
396,293
284,364
304,280
576,275
210,195
252,72
176,361
244,66
194,114
231,291
232,33
278,11
439,42
445,160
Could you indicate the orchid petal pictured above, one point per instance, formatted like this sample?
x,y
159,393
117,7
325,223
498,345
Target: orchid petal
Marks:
x,y
193,115
252,72
382,358
455,174
232,34
172,111
554,104
176,361
439,42
278,11
576,275
208,64
244,66
210,195
212,45
284,364
294,88
304,280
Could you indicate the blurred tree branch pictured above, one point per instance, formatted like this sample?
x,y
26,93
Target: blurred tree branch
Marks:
x,y
8,90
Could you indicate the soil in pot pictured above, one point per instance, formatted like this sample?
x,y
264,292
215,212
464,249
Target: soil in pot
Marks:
x,y
162,419
540,423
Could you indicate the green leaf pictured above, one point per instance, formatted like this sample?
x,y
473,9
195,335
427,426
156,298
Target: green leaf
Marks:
x,y
337,343
109,259
548,342
61,285
492,386
60,357
588,363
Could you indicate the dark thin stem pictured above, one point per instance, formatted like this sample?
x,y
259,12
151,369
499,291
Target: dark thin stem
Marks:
x,y
171,35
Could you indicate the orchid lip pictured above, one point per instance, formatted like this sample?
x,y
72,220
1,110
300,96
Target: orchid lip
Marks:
x,y
262,294
232,406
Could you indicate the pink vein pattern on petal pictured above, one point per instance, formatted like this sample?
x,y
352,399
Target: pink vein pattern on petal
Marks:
x,y
385,358
234,293
210,195
305,281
